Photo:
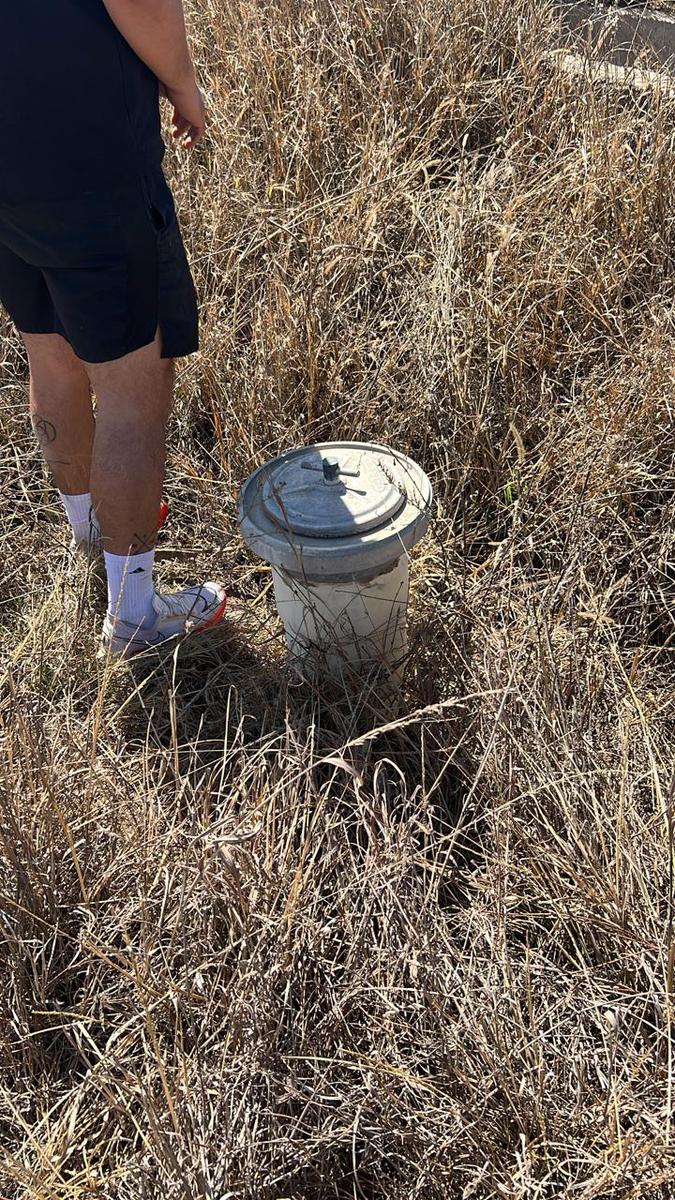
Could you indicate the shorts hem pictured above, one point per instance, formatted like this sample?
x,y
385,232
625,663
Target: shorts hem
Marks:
x,y
168,349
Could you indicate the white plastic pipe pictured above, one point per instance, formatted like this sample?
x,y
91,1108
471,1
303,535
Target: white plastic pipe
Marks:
x,y
345,623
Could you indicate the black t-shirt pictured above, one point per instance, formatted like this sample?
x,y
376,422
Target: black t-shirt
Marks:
x,y
80,111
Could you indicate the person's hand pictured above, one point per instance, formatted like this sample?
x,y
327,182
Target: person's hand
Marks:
x,y
189,114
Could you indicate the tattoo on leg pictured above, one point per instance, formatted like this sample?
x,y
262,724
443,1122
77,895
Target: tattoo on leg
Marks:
x,y
45,430
144,541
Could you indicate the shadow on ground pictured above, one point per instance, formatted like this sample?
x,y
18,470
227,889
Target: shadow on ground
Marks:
x,y
229,696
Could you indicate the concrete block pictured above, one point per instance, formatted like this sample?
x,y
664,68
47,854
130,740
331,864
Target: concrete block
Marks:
x,y
622,36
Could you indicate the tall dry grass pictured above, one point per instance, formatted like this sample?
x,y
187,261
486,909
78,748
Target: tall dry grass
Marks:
x,y
266,942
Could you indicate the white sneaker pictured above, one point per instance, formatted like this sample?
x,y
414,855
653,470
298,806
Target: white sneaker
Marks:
x,y
192,610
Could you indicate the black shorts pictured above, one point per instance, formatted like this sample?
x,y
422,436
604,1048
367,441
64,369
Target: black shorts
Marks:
x,y
105,270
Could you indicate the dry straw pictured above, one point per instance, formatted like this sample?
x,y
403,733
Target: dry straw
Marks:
x,y
264,942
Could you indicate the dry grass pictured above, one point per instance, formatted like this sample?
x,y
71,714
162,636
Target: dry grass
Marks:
x,y
264,942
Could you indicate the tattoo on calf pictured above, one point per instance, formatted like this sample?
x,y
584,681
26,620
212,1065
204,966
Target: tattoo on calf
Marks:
x,y
144,541
45,430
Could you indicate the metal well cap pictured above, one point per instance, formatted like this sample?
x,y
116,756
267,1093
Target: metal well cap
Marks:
x,y
333,492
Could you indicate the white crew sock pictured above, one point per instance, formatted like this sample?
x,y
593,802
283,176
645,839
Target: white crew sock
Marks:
x,y
130,587
82,518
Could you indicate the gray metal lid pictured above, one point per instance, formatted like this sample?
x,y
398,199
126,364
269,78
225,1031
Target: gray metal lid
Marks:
x,y
334,494
310,513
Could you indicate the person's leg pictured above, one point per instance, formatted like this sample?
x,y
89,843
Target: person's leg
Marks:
x,y
63,420
133,397
61,410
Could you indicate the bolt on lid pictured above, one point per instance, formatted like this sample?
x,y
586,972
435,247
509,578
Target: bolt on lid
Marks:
x,y
335,491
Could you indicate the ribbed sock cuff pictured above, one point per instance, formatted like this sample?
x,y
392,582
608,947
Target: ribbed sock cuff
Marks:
x,y
131,586
81,517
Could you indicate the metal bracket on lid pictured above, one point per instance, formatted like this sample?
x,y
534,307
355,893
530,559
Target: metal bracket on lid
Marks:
x,y
331,470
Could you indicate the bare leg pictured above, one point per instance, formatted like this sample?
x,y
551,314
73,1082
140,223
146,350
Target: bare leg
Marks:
x,y
134,396
60,410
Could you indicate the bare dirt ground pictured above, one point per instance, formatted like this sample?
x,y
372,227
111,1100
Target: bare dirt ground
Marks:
x,y
271,942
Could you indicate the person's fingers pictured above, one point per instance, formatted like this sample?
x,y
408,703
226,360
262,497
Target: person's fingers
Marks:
x,y
185,129
194,137
179,125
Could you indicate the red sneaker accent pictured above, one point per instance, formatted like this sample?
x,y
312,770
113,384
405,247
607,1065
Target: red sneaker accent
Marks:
x,y
215,619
